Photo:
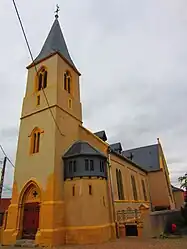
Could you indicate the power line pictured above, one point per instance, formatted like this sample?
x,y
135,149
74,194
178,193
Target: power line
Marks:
x,y
7,188
1,147
32,58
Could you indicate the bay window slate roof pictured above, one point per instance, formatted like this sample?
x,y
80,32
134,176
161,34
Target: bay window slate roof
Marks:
x,y
101,135
55,42
82,148
146,157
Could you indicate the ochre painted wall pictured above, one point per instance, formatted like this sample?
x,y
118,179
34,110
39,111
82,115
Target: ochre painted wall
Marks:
x,y
86,135
158,189
64,218
164,169
86,212
179,199
127,170
45,168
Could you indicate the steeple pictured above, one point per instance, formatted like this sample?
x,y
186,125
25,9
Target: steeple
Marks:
x,y
55,43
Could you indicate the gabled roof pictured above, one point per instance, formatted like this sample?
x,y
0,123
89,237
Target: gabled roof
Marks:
x,y
146,157
55,43
101,135
82,148
175,189
116,147
127,160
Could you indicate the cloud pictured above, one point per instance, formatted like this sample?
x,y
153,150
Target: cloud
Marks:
x,y
9,133
132,55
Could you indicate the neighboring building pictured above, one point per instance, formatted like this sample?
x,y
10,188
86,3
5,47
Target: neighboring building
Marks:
x,y
151,158
70,185
4,204
185,195
178,195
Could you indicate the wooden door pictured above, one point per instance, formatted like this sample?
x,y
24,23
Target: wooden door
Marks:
x,y
30,220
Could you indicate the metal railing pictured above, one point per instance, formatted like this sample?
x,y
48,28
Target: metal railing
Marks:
x,y
123,216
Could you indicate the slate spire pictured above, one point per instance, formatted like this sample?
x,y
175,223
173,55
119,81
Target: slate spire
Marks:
x,y
55,43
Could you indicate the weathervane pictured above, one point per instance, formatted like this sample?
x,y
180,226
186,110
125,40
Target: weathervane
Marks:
x,y
57,10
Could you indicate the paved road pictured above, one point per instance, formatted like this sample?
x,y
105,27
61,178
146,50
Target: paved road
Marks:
x,y
133,243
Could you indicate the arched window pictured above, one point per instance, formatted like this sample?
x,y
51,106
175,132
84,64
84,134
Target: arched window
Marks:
x,y
35,141
144,190
42,79
119,184
67,82
134,189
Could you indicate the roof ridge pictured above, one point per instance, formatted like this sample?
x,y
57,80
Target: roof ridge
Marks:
x,y
141,147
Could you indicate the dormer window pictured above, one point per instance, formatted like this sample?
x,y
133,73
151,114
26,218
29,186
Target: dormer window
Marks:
x,y
67,82
42,79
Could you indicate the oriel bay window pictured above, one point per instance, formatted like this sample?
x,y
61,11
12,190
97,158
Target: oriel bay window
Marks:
x,y
89,165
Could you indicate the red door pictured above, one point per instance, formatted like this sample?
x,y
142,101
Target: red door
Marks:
x,y
30,220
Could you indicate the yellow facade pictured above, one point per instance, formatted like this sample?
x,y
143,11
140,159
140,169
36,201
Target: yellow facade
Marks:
x,y
65,217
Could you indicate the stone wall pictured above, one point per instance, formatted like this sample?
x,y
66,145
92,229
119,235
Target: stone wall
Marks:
x,y
160,222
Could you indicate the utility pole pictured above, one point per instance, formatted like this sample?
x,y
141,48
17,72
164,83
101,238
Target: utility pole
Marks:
x,y
2,177
185,198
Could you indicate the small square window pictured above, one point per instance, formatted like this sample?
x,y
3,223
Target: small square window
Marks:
x,y
73,191
70,103
38,100
90,189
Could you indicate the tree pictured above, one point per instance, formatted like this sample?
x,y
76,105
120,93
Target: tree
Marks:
x,y
183,184
183,181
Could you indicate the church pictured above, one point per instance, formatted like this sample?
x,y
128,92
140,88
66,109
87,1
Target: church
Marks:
x,y
70,185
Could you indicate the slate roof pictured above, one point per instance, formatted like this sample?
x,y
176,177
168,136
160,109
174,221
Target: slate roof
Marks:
x,y
55,42
82,148
101,135
116,147
146,157
175,189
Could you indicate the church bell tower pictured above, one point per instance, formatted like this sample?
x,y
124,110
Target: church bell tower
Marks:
x,y
50,121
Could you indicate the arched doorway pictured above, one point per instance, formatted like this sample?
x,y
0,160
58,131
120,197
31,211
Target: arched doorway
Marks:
x,y
30,212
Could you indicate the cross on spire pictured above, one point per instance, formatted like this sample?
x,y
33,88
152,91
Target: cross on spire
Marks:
x,y
56,11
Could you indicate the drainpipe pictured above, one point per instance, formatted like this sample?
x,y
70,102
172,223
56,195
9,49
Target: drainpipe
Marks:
x,y
148,185
112,191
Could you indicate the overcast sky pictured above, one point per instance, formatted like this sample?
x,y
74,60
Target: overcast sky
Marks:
x,y
132,54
